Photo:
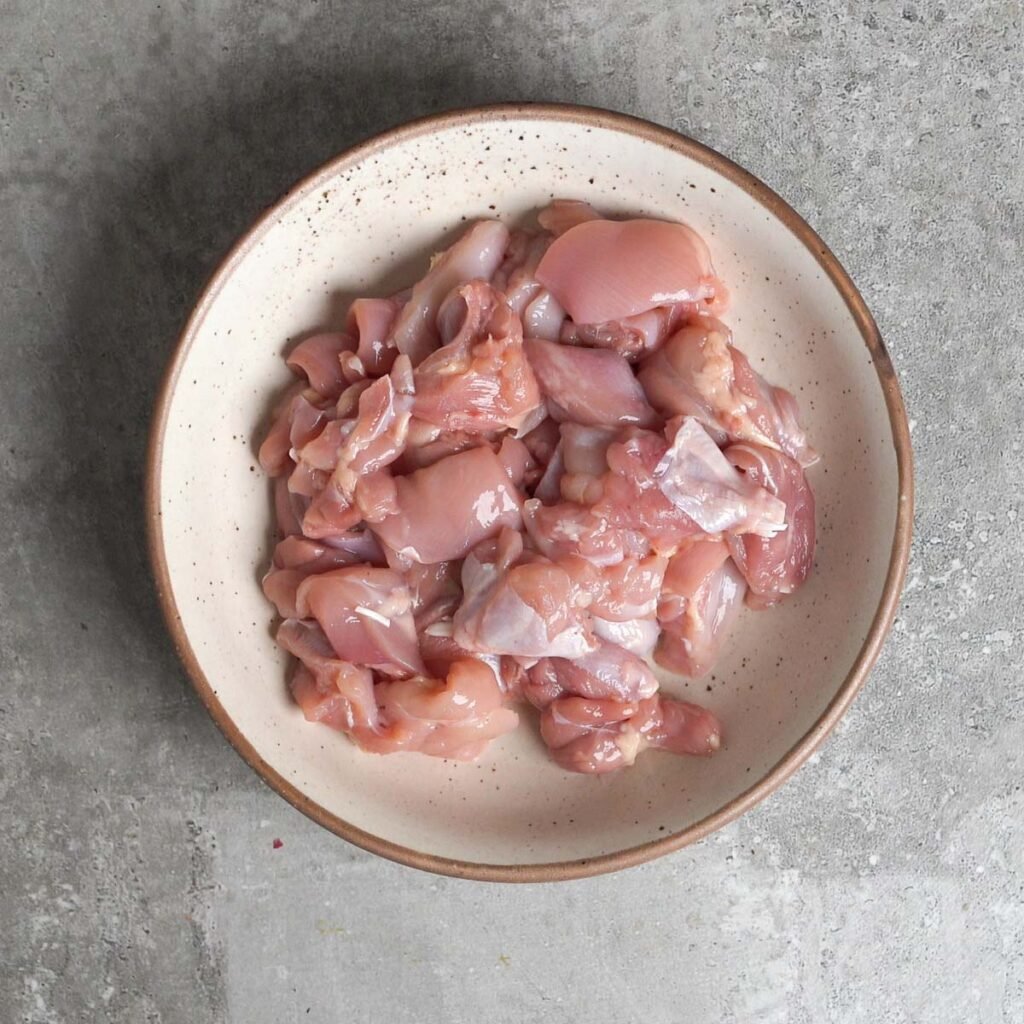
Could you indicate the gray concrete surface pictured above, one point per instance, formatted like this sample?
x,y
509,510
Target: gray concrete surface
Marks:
x,y
138,880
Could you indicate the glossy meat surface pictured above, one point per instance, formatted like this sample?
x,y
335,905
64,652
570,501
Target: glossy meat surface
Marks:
x,y
443,511
702,596
590,386
775,566
603,270
530,476
474,256
698,372
479,381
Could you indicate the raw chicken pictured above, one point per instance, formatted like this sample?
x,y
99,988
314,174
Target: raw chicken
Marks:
x,y
576,465
318,358
376,438
297,557
280,587
627,590
775,566
633,336
311,556
370,322
479,381
320,700
603,270
634,496
599,736
446,509
507,484
436,591
678,727
699,373
526,608
590,386
289,509
432,444
562,214
606,673
516,459
541,315
638,636
569,529
697,478
590,736
475,256
585,449
327,689
702,595
542,440
366,614
274,451
455,717
579,470
439,651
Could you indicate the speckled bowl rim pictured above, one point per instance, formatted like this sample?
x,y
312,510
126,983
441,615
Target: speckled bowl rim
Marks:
x,y
880,625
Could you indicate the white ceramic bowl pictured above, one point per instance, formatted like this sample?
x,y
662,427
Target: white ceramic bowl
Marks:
x,y
364,224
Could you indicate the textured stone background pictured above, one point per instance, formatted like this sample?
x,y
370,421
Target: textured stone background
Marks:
x,y
137,876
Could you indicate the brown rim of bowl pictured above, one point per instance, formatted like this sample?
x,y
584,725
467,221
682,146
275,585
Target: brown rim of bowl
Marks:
x,y
880,625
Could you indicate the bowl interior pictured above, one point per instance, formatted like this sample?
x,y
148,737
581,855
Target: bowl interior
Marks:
x,y
367,224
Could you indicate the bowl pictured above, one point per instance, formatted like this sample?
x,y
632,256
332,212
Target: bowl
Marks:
x,y
365,224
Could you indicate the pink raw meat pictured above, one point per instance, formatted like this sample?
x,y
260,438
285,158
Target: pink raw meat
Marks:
x,y
540,313
633,497
699,373
775,566
476,255
376,438
449,507
570,529
341,694
370,322
609,269
274,451
633,336
620,592
638,636
455,717
289,509
561,214
318,358
529,609
598,736
479,381
479,499
607,673
590,386
313,556
436,591
702,596
442,444
366,614
678,727
697,478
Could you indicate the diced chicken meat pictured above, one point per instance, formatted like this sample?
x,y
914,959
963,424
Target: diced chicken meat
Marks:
x,y
699,373
775,566
602,270
535,473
